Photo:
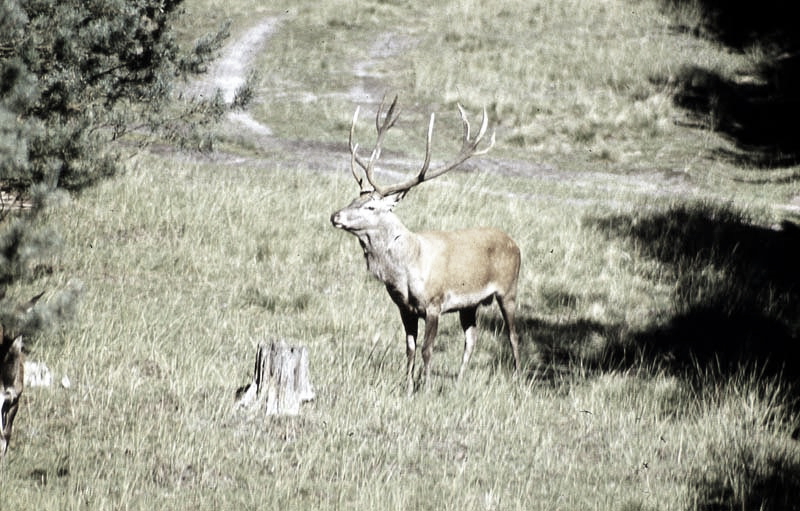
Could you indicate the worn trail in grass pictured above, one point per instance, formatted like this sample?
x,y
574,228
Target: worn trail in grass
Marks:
x,y
370,85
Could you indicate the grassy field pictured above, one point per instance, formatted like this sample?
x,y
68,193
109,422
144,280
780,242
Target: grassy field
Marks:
x,y
658,294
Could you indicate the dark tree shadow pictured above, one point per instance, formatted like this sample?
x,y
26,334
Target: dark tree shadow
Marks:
x,y
771,485
735,311
737,289
757,110
735,305
759,117
551,351
739,24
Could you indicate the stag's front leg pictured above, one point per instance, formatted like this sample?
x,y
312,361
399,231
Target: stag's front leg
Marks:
x,y
411,326
431,327
469,324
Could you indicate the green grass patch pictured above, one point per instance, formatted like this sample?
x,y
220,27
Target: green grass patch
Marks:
x,y
650,321
181,283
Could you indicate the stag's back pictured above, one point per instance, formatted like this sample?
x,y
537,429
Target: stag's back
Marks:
x,y
468,266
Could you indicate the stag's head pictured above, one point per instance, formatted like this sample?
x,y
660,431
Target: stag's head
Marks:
x,y
11,383
374,204
365,212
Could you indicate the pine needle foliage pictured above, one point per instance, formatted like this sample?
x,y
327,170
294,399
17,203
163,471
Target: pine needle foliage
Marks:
x,y
75,76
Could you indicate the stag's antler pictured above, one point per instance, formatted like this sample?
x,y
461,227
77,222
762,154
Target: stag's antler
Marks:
x,y
382,128
469,148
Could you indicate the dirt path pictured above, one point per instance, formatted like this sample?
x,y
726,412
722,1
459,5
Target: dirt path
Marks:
x,y
230,72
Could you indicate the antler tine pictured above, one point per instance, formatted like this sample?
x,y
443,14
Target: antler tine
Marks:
x,y
481,133
353,160
471,146
428,139
354,153
464,121
354,147
353,128
390,118
381,127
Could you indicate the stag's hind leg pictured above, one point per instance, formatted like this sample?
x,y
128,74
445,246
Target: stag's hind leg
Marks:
x,y
508,308
431,328
469,323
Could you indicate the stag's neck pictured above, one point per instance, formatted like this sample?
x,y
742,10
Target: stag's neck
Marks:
x,y
388,251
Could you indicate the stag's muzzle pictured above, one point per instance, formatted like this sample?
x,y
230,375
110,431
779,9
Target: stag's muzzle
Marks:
x,y
335,220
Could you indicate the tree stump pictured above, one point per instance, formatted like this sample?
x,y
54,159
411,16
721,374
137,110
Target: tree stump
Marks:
x,y
280,381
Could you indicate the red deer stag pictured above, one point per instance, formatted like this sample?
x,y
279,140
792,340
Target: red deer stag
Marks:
x,y
434,272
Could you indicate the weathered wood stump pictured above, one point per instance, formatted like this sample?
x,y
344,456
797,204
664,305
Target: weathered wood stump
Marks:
x,y
280,381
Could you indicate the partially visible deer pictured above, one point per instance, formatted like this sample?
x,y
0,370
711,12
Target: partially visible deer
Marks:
x,y
11,384
12,371
434,272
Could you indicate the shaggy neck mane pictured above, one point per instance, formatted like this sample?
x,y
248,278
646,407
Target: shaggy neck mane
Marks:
x,y
386,250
